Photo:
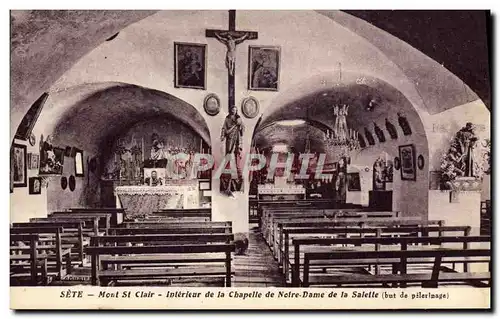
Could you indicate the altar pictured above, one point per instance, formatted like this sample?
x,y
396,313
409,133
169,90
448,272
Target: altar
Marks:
x,y
143,200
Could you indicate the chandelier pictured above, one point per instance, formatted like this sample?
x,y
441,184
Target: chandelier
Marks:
x,y
342,136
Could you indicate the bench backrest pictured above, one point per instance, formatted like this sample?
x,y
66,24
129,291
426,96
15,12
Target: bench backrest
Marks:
x,y
172,230
174,224
163,249
117,213
151,239
360,221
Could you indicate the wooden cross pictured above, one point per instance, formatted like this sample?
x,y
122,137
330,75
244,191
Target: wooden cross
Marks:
x,y
231,38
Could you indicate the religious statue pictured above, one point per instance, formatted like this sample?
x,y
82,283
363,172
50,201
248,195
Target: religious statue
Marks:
x,y
404,124
369,137
380,134
379,170
157,151
391,129
459,160
340,125
232,133
230,42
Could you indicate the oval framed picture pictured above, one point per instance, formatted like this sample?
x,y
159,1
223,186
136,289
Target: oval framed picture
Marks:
x,y
420,162
211,104
32,139
72,183
64,182
397,163
250,107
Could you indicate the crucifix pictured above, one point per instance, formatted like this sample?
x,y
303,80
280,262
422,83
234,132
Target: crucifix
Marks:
x,y
231,38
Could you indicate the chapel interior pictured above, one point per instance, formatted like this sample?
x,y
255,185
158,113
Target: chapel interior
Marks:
x,y
110,110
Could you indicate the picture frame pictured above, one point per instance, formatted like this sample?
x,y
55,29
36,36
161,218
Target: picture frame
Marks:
x,y
190,63
71,183
28,122
420,162
33,161
19,165
353,182
397,163
64,182
408,162
35,185
250,107
79,167
264,63
211,104
51,160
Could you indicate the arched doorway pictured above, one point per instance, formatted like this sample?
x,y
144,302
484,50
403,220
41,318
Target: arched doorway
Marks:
x,y
113,124
302,120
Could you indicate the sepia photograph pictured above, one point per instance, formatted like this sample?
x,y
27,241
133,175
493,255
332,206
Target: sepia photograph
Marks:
x,y
250,159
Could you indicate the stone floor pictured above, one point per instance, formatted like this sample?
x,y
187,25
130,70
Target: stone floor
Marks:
x,y
257,268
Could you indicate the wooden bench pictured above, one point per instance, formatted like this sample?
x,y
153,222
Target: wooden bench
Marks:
x,y
330,214
174,224
183,213
90,223
277,238
398,258
270,215
104,219
49,245
36,263
369,244
309,236
155,254
117,214
72,233
173,229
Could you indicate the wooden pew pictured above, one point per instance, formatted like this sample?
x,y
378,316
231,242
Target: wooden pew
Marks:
x,y
183,213
37,263
172,229
426,279
174,224
155,240
73,233
297,212
117,214
330,214
404,248
264,205
90,223
300,237
49,245
154,254
104,219
277,236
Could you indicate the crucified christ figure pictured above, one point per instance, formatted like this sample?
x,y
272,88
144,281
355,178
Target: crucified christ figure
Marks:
x,y
230,43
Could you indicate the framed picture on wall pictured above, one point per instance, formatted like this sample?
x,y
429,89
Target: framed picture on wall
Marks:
x,y
19,165
263,68
51,160
190,65
35,186
408,162
79,163
353,182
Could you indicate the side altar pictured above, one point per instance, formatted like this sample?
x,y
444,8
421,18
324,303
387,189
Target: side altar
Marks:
x,y
143,200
